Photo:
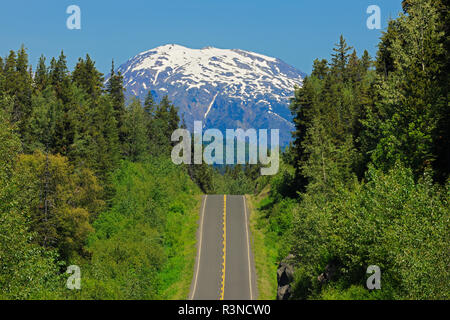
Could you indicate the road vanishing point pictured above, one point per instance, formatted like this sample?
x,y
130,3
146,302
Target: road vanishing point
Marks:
x,y
224,267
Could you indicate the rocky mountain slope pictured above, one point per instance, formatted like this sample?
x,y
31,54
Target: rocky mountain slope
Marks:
x,y
226,89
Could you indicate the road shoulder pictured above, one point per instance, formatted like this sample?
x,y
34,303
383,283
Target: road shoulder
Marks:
x,y
264,258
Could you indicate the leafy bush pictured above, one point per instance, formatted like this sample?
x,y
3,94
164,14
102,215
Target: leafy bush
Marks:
x,y
139,246
390,221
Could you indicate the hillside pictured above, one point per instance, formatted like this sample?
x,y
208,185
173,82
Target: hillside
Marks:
x,y
223,88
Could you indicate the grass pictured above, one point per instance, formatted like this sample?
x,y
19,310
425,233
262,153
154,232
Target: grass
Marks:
x,y
180,266
264,252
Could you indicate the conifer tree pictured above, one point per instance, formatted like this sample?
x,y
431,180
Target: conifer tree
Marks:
x,y
340,57
88,77
412,101
10,74
149,104
41,77
59,77
102,140
116,91
136,144
24,90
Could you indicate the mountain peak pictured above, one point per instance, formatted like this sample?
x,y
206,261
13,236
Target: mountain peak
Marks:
x,y
225,88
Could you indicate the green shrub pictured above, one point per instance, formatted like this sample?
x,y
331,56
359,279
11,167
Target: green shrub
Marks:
x,y
138,248
390,221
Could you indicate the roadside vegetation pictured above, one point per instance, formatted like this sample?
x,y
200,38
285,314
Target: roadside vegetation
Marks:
x,y
87,180
365,181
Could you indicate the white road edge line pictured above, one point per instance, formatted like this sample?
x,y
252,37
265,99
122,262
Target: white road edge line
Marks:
x,y
199,253
248,251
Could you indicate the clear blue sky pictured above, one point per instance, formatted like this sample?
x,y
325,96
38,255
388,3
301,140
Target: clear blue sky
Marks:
x,y
296,31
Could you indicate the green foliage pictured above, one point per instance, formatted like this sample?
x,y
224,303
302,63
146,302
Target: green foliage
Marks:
x,y
138,248
115,90
135,129
327,110
62,139
407,120
59,201
88,77
364,182
370,166
390,221
27,271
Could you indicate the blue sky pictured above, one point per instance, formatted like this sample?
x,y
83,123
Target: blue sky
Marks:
x,y
296,31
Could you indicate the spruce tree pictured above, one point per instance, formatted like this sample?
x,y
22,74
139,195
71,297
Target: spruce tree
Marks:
x,y
41,76
88,77
136,144
412,100
340,57
23,91
116,92
149,104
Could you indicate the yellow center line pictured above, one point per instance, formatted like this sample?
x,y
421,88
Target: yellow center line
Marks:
x,y
222,290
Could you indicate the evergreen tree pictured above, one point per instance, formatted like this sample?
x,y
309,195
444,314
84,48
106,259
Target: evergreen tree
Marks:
x,y
10,74
412,100
384,62
116,91
136,144
340,57
41,77
59,77
18,85
149,104
88,77
168,113
42,121
102,140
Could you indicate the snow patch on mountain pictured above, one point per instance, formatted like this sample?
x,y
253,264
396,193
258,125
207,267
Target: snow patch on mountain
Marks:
x,y
225,88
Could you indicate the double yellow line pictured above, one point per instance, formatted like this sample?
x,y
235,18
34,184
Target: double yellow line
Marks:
x,y
222,290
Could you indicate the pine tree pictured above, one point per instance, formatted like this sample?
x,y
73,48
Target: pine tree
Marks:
x,y
41,77
136,144
42,121
88,77
59,77
366,61
340,57
102,140
10,74
116,91
23,91
412,101
384,62
168,113
149,104
320,68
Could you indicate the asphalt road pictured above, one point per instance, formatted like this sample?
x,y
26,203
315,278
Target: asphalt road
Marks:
x,y
224,268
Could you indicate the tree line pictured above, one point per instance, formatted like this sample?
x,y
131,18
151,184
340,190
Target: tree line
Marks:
x,y
366,179
69,145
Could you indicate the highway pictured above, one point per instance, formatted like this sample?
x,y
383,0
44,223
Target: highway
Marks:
x,y
224,267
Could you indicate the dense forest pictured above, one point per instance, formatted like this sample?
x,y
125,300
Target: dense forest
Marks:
x,y
366,179
86,178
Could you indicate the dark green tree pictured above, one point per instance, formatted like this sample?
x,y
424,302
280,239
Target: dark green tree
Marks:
x,y
41,78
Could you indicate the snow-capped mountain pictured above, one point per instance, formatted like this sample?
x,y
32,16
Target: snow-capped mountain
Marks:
x,y
226,89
